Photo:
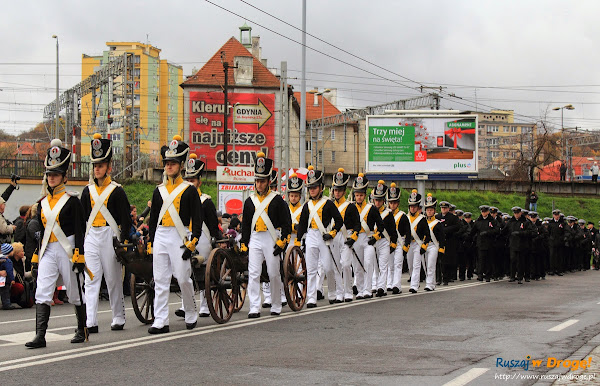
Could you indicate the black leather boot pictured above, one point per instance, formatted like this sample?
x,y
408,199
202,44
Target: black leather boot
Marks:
x,y
42,315
81,332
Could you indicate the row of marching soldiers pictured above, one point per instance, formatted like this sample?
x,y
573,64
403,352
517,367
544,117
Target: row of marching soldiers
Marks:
x,y
77,237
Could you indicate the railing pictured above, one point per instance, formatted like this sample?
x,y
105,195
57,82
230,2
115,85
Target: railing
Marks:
x,y
35,169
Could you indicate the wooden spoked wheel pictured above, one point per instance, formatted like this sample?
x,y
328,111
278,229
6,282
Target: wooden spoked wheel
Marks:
x,y
142,299
240,293
294,276
219,284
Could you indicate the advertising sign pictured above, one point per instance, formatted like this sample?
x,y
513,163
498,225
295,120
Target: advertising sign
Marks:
x,y
238,174
421,144
254,127
231,197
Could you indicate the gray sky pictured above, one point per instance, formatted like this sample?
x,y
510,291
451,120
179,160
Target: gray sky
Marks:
x,y
534,54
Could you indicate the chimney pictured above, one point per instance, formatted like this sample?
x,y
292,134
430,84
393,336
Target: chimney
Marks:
x,y
244,73
256,47
316,97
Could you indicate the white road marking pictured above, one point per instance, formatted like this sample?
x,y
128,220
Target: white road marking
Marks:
x,y
564,325
598,303
467,377
68,315
36,360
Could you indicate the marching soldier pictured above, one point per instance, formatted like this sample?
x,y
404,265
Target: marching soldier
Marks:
x,y
497,253
317,214
585,245
175,208
556,237
437,244
485,228
403,229
264,213
107,210
537,251
452,227
519,232
294,191
361,244
385,246
210,224
469,260
341,251
571,241
416,245
62,245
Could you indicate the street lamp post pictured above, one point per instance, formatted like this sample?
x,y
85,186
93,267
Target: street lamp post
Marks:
x,y
317,93
233,131
57,108
564,143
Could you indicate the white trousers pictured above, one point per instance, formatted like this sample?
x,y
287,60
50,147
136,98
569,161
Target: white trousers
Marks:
x,y
204,248
167,262
339,249
383,253
431,256
398,261
260,248
366,255
54,262
100,258
414,261
317,249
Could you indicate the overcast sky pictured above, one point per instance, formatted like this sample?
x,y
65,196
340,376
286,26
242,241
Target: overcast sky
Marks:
x,y
521,55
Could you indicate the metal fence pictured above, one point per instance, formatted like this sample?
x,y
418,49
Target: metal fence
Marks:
x,y
35,168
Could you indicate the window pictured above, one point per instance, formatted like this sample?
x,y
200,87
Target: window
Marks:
x,y
320,135
333,156
481,126
332,134
492,142
137,97
308,146
136,72
494,154
320,157
513,129
117,112
137,59
492,129
505,129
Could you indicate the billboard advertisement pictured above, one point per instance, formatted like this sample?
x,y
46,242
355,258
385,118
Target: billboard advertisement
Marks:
x,y
238,174
254,119
421,144
231,197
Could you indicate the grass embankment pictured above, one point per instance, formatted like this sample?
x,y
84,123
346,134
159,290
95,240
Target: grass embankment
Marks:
x,y
140,192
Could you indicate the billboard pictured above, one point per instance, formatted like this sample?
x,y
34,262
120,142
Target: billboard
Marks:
x,y
254,119
231,197
237,174
421,143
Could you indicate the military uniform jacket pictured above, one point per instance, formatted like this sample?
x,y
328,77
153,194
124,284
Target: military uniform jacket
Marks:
x,y
117,205
556,232
520,232
452,228
373,218
189,209
421,229
403,225
389,224
277,211
209,216
70,218
327,213
351,220
439,233
571,236
485,229
541,237
586,242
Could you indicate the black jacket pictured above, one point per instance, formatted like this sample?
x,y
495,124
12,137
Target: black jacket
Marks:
x,y
422,231
520,232
440,235
329,212
189,210
351,220
118,206
556,232
277,211
32,240
452,228
390,226
403,225
373,218
209,215
485,229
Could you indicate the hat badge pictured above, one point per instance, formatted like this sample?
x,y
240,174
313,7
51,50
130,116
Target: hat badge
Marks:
x,y
96,144
393,191
359,180
429,199
311,174
54,154
379,188
413,195
339,177
191,163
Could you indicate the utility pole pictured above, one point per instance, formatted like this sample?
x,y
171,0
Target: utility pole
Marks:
x,y
285,120
226,68
302,148
57,106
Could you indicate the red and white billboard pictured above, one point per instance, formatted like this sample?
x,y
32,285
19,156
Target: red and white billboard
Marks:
x,y
254,127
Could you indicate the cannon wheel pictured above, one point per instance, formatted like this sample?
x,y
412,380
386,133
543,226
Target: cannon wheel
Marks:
x,y
220,281
294,274
142,299
240,295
